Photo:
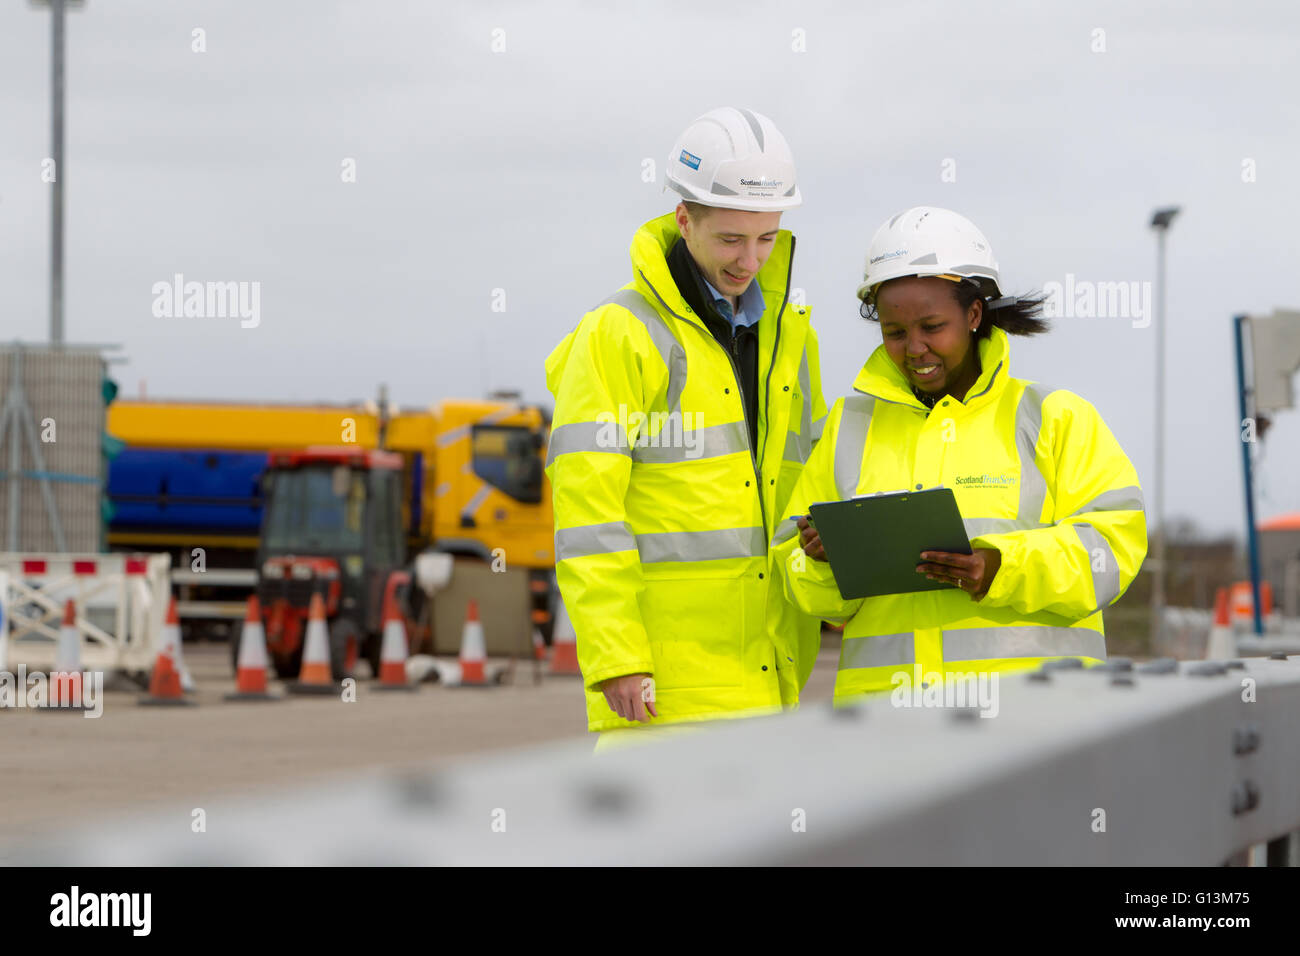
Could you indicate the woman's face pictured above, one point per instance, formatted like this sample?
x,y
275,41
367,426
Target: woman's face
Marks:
x,y
928,335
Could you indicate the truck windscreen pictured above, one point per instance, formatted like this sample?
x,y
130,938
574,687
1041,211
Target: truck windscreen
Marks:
x,y
506,457
315,510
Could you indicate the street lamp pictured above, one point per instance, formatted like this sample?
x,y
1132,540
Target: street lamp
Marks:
x,y
57,8
1161,219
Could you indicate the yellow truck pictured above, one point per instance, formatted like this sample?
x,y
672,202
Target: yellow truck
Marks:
x,y
194,477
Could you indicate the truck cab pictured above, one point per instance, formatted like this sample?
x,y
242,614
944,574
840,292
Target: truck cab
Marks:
x,y
332,524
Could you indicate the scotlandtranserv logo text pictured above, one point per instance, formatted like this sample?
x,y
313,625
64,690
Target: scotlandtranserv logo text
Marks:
x,y
761,183
986,481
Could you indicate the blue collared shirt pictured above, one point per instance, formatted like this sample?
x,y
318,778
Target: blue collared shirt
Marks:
x,y
751,305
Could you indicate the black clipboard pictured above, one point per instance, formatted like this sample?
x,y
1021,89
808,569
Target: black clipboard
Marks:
x,y
874,542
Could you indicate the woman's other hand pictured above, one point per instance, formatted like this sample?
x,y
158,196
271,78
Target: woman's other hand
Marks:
x,y
973,573
810,540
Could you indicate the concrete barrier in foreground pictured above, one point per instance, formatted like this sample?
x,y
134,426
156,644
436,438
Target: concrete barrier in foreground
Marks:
x,y
1164,763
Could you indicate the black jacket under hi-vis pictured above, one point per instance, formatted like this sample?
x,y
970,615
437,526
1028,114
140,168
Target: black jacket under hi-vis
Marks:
x,y
741,344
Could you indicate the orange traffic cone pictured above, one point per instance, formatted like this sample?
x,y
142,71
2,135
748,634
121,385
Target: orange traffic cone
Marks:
x,y
250,669
1222,644
540,617
393,652
564,643
65,680
314,675
165,684
473,648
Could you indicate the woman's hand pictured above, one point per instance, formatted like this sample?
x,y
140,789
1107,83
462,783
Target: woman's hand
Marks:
x,y
973,573
810,540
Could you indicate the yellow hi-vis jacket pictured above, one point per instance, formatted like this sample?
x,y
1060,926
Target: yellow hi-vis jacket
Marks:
x,y
1036,474
663,512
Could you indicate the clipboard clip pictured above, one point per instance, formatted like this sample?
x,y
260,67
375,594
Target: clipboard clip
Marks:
x,y
900,491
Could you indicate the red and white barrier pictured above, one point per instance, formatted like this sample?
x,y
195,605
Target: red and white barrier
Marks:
x,y
131,589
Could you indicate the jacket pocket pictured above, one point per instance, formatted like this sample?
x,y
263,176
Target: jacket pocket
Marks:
x,y
696,627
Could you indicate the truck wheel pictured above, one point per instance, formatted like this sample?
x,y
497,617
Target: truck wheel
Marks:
x,y
374,649
287,666
345,647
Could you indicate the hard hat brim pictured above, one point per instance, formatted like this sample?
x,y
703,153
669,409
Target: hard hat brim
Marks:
x,y
741,203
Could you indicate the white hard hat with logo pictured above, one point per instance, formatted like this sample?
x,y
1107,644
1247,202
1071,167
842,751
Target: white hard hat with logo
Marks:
x,y
734,159
929,241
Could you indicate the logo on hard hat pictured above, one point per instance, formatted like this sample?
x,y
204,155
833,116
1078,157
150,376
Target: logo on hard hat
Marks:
x,y
888,255
761,183
690,159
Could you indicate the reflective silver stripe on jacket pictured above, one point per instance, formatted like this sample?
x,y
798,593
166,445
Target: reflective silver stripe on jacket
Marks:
x,y
798,445
979,526
673,444
993,643
786,530
1101,559
702,545
1116,499
817,427
975,644
805,391
794,448
850,442
805,419
880,650
670,350
586,540
587,436
1029,422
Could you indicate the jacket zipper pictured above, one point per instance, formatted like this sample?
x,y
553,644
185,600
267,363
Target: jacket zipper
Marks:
x,y
776,342
740,392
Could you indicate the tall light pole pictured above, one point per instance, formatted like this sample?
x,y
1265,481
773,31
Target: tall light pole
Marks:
x,y
57,8
1160,222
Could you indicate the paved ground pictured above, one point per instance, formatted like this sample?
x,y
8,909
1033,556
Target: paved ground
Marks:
x,y
60,768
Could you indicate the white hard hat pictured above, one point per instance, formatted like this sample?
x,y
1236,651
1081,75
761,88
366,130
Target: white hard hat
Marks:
x,y
929,241
734,159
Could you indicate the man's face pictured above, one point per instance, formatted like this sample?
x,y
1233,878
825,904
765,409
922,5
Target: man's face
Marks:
x,y
729,245
928,335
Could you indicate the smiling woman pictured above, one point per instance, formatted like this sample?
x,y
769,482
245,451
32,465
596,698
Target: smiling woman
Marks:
x,y
1050,502
931,321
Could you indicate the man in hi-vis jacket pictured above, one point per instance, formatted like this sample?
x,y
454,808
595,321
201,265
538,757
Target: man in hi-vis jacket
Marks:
x,y
685,406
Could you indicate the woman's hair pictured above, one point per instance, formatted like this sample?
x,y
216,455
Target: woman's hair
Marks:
x,y
1021,315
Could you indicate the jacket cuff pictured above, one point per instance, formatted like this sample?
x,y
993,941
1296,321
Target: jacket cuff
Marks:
x,y
596,678
1003,588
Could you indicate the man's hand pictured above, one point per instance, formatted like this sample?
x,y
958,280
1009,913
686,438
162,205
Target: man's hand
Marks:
x,y
973,573
811,540
623,694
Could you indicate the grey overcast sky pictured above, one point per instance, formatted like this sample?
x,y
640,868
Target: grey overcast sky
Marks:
x,y
1061,127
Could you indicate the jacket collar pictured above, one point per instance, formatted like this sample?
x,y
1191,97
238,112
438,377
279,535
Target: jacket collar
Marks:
x,y
652,278
881,377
